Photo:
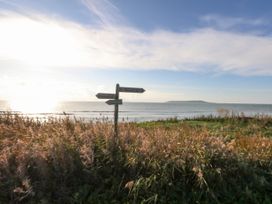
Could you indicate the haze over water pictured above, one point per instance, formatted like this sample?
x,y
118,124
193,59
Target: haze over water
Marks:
x,y
144,111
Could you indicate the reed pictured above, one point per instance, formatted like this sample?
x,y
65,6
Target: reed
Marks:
x,y
205,160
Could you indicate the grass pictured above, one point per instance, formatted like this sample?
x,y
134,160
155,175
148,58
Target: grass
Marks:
x,y
204,160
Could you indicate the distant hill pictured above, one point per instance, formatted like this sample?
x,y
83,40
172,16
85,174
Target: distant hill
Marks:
x,y
193,101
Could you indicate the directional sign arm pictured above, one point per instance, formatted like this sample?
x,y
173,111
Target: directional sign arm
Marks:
x,y
131,90
105,96
114,102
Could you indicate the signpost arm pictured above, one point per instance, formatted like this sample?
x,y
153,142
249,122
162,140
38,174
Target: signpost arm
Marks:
x,y
116,113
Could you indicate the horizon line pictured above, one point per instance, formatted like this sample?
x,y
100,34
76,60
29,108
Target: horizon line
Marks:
x,y
170,101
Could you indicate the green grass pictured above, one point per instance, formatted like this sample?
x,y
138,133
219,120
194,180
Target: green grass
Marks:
x,y
204,160
220,126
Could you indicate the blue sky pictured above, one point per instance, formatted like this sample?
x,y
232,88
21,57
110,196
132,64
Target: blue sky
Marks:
x,y
211,50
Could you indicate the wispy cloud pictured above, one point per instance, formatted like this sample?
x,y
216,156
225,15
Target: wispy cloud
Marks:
x,y
40,41
225,22
107,12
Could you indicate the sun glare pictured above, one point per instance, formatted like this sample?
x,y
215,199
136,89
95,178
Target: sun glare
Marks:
x,y
33,97
40,42
33,105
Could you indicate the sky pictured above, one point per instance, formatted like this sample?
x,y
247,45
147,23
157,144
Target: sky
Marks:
x,y
217,51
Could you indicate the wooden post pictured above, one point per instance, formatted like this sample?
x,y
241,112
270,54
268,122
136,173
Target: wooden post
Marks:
x,y
116,113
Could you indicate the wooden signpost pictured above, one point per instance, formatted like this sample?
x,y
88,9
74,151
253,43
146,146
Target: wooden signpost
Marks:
x,y
116,101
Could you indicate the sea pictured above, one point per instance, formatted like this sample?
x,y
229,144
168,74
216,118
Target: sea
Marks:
x,y
138,112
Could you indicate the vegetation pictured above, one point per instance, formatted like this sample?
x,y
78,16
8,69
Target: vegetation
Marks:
x,y
206,160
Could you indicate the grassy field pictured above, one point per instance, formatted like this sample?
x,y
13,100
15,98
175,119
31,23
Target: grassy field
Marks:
x,y
203,160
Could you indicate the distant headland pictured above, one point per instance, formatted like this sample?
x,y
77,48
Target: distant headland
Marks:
x,y
191,101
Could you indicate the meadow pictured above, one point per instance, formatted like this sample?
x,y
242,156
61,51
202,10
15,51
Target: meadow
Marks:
x,y
225,159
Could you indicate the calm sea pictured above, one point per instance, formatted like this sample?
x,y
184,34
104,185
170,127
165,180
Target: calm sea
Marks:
x,y
144,111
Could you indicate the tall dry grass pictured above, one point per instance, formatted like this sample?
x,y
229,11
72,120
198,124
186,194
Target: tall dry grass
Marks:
x,y
70,161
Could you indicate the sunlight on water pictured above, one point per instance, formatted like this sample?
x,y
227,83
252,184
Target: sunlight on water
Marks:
x,y
33,97
33,106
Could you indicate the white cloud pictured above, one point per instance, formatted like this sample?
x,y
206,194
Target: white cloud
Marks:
x,y
43,42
